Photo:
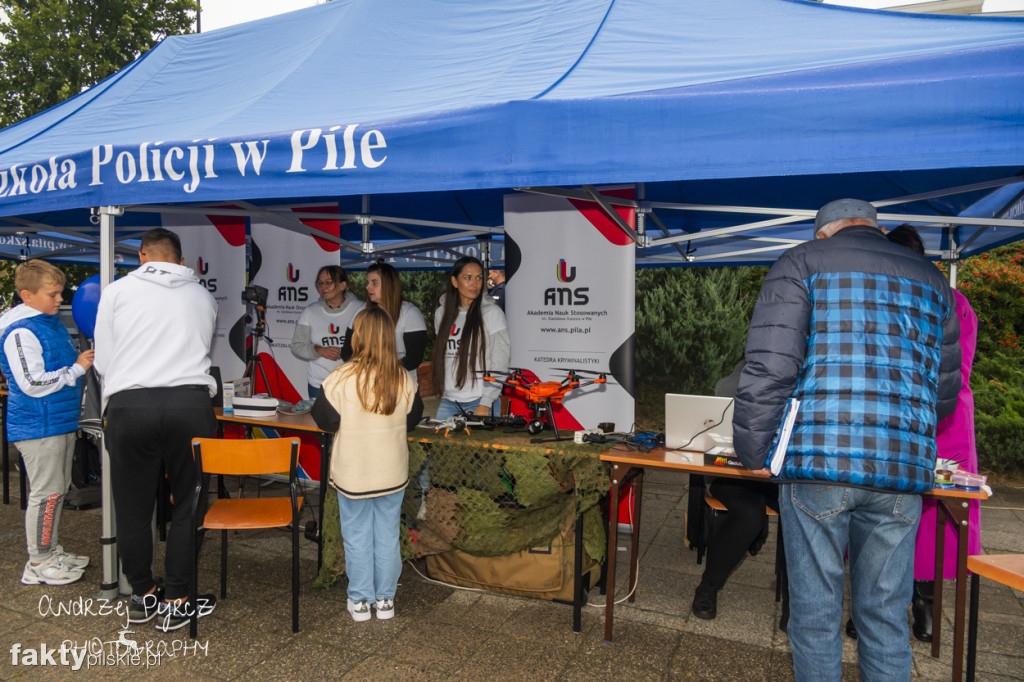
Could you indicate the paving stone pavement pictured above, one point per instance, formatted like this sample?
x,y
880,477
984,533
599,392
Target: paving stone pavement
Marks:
x,y
441,633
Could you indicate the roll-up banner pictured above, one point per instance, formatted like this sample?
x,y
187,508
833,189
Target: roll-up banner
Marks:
x,y
570,303
214,246
286,263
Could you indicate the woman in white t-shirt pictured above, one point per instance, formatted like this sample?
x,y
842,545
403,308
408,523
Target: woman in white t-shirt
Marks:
x,y
471,337
323,326
384,289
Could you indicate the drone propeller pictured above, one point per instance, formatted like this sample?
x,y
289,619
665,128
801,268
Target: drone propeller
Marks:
x,y
578,371
509,372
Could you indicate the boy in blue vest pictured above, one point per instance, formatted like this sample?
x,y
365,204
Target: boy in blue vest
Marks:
x,y
43,369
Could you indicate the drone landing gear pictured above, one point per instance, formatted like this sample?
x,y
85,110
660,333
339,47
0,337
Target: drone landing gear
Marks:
x,y
536,425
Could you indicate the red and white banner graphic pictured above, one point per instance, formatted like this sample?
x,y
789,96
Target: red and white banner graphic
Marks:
x,y
214,246
286,263
570,303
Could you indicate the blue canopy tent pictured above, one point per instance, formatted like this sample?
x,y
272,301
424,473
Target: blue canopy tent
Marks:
x,y
734,123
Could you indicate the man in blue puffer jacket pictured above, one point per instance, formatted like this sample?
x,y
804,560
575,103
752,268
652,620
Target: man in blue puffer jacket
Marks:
x,y
863,333
43,369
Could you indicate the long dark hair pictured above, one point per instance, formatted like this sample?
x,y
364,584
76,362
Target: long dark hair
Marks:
x,y
473,345
390,289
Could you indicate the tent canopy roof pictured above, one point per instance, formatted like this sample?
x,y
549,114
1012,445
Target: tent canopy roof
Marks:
x,y
433,110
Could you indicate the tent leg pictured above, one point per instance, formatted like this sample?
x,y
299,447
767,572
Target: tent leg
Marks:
x,y
110,587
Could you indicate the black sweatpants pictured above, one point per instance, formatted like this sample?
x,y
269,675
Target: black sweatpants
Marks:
x,y
149,431
746,501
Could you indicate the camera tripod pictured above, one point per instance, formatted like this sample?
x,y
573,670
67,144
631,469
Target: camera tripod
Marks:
x,y
258,332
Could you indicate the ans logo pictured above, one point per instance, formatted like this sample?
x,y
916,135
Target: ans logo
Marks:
x,y
333,339
202,268
564,295
565,273
453,338
299,294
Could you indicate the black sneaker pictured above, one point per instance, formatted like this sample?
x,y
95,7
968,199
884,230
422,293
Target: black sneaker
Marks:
x,y
173,616
142,608
705,602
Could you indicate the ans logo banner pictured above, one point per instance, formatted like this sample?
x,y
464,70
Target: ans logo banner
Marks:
x,y
203,268
565,295
300,294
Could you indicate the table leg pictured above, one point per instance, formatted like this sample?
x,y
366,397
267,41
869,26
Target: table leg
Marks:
x,y
634,547
325,459
941,519
972,629
958,509
577,587
613,544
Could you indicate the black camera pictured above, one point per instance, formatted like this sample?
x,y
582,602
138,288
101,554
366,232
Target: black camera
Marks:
x,y
255,295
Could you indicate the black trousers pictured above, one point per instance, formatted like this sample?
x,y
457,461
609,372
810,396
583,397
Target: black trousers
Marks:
x,y
149,433
746,501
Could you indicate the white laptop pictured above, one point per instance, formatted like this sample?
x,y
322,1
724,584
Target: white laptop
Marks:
x,y
700,423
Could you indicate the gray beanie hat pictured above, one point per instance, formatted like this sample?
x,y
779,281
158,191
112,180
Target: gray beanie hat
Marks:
x,y
840,209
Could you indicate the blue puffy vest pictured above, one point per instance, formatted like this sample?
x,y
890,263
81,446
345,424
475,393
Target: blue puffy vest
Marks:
x,y
56,413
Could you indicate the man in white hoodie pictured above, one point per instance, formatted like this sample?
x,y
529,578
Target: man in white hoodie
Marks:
x,y
153,334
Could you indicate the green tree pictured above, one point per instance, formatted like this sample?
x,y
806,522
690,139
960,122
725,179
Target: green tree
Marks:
x,y
691,326
51,50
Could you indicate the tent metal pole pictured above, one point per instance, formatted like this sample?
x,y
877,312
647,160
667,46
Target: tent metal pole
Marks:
x,y
954,256
109,585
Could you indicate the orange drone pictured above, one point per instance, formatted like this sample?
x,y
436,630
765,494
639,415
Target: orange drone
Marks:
x,y
541,395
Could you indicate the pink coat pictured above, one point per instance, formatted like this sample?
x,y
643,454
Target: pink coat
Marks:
x,y
955,440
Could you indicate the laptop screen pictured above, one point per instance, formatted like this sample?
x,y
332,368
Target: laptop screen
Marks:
x,y
697,422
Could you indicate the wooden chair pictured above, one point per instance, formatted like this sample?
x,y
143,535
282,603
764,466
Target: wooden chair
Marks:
x,y
1007,569
241,458
704,537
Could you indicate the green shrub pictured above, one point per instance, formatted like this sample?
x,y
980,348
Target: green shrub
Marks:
x,y
997,381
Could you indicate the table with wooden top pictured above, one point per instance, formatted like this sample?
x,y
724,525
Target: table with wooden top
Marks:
x,y
628,465
302,423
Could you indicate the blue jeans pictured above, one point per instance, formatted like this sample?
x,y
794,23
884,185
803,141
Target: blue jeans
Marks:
x,y
819,522
450,408
373,554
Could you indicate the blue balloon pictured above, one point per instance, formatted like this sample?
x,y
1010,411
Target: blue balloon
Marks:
x,y
85,303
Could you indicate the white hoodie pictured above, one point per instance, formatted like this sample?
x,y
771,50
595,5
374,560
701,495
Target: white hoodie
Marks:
x,y
154,329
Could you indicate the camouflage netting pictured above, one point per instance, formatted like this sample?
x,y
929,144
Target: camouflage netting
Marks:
x,y
488,495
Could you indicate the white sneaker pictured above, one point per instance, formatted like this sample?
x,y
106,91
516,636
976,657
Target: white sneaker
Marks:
x,y
360,611
53,571
71,559
385,608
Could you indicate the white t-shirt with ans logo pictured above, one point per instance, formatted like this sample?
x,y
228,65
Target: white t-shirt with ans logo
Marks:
x,y
328,327
494,322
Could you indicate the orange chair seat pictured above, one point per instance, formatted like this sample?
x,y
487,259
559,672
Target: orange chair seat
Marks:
x,y
250,513
717,505
1007,569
